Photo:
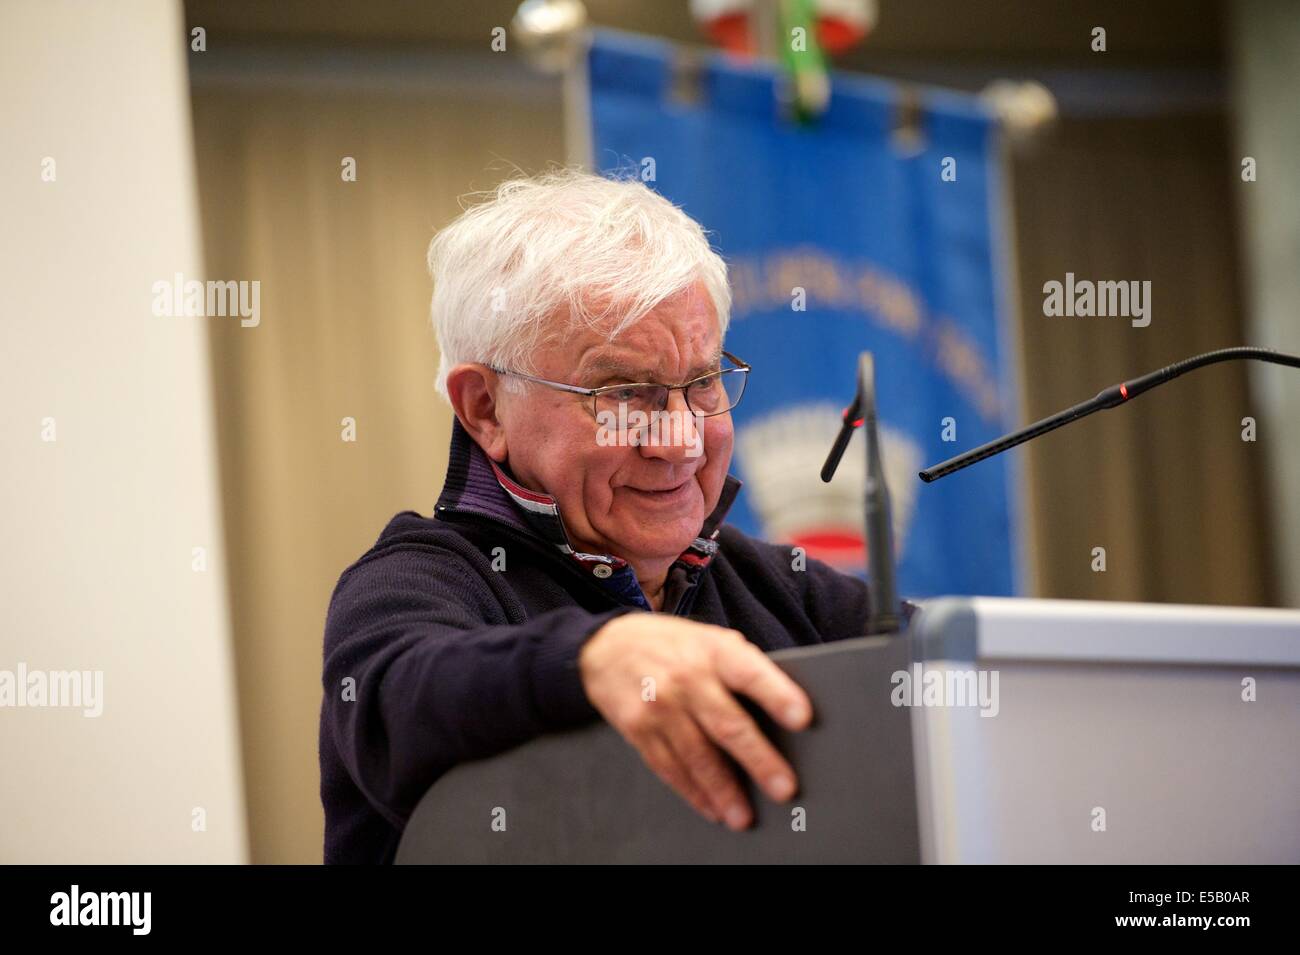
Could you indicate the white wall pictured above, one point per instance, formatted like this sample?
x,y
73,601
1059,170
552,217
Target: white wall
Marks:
x,y
98,526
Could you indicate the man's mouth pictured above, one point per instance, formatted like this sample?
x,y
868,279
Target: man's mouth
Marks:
x,y
669,494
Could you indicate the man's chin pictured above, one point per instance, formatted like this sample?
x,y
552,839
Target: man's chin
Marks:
x,y
669,540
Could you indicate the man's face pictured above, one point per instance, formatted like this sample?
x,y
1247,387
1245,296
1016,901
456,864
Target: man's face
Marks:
x,y
639,503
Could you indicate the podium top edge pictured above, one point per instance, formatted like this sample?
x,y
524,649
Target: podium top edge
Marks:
x,y
999,628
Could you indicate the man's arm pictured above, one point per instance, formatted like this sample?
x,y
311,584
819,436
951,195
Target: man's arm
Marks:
x,y
439,675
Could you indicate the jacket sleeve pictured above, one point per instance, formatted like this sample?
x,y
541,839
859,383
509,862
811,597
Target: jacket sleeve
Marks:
x,y
422,671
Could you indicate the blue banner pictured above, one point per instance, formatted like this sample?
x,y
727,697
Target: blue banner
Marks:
x,y
840,236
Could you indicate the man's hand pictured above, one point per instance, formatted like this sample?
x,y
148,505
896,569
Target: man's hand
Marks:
x,y
694,668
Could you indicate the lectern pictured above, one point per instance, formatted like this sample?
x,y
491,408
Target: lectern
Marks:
x,y
991,730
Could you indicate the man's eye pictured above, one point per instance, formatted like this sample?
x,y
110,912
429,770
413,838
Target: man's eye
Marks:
x,y
625,394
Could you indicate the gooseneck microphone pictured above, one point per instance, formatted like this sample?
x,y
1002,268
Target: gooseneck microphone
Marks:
x,y
1109,398
885,616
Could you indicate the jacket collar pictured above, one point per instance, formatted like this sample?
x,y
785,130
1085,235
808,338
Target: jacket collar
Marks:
x,y
478,485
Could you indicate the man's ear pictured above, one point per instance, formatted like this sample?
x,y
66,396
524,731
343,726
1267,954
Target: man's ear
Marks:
x,y
473,390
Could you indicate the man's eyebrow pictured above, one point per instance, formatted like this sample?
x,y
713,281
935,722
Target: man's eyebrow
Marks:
x,y
713,364
612,367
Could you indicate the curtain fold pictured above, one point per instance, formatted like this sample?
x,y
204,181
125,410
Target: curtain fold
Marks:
x,y
344,334
1166,485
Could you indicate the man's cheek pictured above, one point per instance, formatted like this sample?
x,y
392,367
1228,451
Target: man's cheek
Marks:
x,y
694,444
718,444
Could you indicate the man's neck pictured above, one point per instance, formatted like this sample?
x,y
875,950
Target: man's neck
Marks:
x,y
652,582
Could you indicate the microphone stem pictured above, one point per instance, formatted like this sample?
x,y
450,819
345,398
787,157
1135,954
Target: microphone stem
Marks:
x,y
1108,398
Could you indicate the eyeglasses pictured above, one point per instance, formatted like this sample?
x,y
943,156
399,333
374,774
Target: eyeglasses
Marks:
x,y
708,395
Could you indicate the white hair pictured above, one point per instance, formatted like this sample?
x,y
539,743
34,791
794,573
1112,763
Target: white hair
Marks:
x,y
544,255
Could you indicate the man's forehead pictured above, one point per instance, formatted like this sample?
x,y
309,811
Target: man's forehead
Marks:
x,y
626,359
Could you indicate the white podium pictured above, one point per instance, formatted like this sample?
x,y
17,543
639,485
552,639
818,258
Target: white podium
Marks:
x,y
1118,733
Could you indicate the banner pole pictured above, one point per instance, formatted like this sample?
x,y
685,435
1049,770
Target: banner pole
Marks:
x,y
1020,490
578,147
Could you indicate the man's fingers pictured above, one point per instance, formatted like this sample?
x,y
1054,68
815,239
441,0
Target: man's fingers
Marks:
x,y
661,758
723,719
746,669
709,771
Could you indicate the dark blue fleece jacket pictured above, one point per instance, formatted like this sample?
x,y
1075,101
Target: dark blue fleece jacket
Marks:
x,y
457,636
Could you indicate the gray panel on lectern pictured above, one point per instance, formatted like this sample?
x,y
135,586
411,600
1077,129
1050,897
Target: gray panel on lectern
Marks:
x,y
585,795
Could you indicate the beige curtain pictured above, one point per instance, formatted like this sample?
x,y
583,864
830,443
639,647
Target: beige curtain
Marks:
x,y
1166,485
343,334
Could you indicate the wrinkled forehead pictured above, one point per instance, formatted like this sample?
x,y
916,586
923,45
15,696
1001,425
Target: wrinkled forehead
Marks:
x,y
676,340
625,364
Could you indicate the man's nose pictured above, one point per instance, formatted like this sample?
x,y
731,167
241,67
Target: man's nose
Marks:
x,y
677,437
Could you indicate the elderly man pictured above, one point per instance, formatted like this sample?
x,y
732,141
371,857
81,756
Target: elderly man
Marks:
x,y
578,549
